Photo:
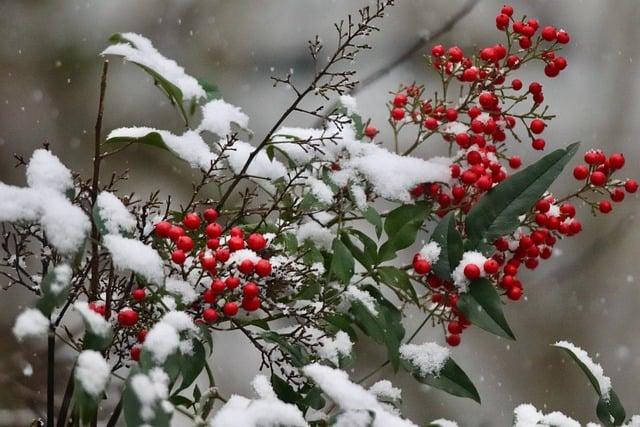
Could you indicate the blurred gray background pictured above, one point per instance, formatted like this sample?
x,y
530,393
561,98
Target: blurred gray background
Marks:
x,y
49,71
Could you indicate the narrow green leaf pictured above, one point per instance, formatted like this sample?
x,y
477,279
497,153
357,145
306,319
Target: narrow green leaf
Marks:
x,y
342,263
153,139
192,364
374,218
399,281
402,225
481,305
496,214
450,241
451,379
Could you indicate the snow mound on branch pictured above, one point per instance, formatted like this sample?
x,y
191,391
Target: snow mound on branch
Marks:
x,y
189,146
164,337
114,214
261,168
383,389
65,225
30,323
151,390
526,415
61,279
321,191
134,255
429,357
140,50
92,372
352,398
181,289
46,172
469,257
316,233
333,348
94,321
218,115
431,252
604,382
353,293
267,411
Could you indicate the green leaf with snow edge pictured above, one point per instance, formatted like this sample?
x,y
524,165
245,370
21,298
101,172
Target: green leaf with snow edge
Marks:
x,y
131,406
482,306
169,89
496,213
401,226
451,249
152,138
609,409
385,327
50,296
374,218
451,379
191,365
367,256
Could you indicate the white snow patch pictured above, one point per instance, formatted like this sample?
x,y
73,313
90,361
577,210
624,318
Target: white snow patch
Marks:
x,y
353,293
136,256
333,348
162,340
151,390
431,252
94,321
321,236
218,115
383,389
46,172
526,415
320,190
429,357
470,257
114,214
30,323
61,278
183,290
92,372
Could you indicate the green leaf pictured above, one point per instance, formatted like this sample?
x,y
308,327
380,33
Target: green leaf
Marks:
x,y
609,410
385,327
481,305
178,400
340,322
366,256
450,379
152,138
374,218
496,214
342,263
283,390
192,364
450,241
399,281
53,293
211,89
402,225
356,120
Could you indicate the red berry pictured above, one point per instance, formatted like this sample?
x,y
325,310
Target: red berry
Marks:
x,y
236,232
536,126
524,42
397,114
213,243
535,88
250,290
616,161
256,242
222,254
175,232
451,114
502,21
560,62
514,293
236,243
598,178
580,172
139,294
488,54
142,335
421,265
471,271
454,327
208,262
563,37
209,296
568,209
178,256
484,183
218,286
232,282
631,185
263,268
185,243
515,162
455,54
135,352
617,195
210,215
453,340
437,50
491,266
230,309
468,177
507,10
605,206
400,100
213,230
430,123
210,315
548,33
127,317
550,70
162,229
251,304
470,74
370,132
246,266
191,221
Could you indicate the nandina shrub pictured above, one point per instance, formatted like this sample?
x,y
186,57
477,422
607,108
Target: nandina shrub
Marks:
x,y
285,239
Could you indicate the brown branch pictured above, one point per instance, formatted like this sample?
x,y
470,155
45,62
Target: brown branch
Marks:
x,y
95,260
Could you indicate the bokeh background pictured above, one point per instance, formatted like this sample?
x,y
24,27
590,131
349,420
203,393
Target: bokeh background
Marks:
x,y
588,294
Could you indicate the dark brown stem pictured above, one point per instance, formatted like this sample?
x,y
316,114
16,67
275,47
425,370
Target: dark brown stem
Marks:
x,y
66,400
115,414
94,184
51,347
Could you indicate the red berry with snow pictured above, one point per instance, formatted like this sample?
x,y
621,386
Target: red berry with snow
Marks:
x,y
580,172
210,215
514,293
421,265
400,100
236,232
142,335
209,296
175,232
135,352
370,132
223,254
472,271
127,317
631,186
491,266
616,161
397,114
208,262
250,290
537,126
563,37
218,286
251,304
232,282
605,206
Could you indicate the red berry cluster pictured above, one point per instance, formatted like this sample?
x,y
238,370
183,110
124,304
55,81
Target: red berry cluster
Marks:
x,y
213,253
